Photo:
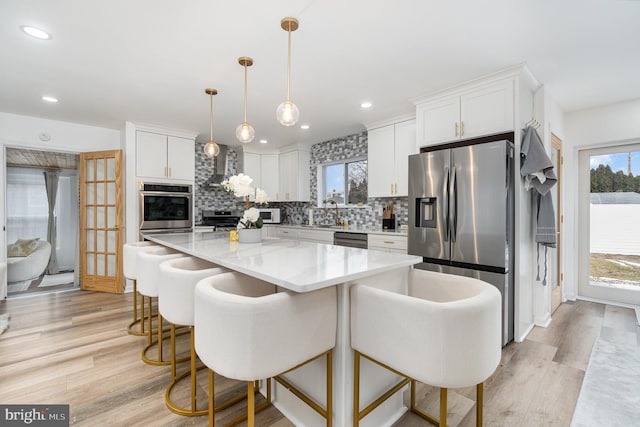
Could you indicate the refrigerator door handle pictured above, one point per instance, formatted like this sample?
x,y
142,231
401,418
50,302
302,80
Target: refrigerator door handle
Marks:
x,y
445,191
454,210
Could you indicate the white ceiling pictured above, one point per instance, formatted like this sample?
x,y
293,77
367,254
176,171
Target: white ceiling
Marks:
x,y
149,61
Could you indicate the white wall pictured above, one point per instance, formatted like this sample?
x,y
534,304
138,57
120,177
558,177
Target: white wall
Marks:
x,y
600,126
24,132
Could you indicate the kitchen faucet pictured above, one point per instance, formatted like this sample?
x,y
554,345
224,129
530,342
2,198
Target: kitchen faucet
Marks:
x,y
335,203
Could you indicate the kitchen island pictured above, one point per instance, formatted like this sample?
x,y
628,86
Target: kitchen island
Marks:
x,y
301,266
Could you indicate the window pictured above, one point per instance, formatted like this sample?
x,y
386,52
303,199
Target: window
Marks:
x,y
344,182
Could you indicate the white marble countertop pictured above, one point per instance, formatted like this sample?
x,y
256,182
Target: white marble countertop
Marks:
x,y
350,228
293,264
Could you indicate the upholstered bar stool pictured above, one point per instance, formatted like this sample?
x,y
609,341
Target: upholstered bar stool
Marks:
x,y
178,280
245,331
446,333
148,271
130,272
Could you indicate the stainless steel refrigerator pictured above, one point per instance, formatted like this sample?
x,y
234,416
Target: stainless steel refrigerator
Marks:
x,y
461,214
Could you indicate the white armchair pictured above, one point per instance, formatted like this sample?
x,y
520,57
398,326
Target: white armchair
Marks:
x,y
30,266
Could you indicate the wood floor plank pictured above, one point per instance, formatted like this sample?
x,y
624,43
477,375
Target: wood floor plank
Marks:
x,y
73,347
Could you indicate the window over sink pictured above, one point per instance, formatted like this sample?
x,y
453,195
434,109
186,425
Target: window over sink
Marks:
x,y
343,182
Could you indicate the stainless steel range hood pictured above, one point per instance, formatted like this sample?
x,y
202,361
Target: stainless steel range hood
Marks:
x,y
219,169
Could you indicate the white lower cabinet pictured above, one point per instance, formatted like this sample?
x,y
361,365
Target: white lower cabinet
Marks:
x,y
388,243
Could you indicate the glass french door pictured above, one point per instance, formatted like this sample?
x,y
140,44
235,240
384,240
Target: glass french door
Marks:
x,y
101,234
609,239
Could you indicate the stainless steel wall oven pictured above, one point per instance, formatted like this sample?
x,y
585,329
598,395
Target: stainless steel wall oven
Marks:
x,y
165,207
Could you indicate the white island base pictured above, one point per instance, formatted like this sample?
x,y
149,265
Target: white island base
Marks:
x,y
301,267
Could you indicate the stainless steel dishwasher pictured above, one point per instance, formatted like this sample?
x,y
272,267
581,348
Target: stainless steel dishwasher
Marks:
x,y
353,240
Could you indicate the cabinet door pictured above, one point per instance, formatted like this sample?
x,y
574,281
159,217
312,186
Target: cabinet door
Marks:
x,y
380,162
252,168
181,158
438,121
270,175
487,110
405,145
151,155
288,175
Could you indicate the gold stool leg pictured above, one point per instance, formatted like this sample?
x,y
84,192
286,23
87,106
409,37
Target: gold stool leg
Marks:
x,y
142,313
479,403
443,407
250,405
192,373
193,370
150,341
329,370
356,388
212,412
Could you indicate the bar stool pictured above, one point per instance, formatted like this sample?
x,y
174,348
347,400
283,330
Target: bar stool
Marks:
x,y
178,280
246,332
129,264
148,270
446,332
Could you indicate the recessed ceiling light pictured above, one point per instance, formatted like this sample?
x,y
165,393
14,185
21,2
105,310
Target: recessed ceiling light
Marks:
x,y
263,141
304,126
50,99
366,105
36,32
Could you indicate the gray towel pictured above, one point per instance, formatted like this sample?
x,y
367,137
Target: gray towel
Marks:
x,y
535,165
545,229
537,169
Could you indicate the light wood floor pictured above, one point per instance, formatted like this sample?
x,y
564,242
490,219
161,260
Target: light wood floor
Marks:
x,y
73,348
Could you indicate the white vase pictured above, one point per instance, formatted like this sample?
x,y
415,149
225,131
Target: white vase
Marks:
x,y
250,235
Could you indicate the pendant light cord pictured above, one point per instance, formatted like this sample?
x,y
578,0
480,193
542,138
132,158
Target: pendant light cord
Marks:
x,y
289,63
211,115
245,92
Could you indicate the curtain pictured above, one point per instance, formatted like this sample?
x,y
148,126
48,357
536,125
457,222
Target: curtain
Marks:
x,y
51,186
26,204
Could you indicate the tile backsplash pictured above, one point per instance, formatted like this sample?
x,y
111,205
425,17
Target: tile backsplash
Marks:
x,y
351,146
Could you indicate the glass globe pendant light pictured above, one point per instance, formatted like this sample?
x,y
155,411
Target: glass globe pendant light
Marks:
x,y
245,132
211,149
287,112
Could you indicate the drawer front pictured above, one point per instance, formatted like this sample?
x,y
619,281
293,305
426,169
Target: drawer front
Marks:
x,y
287,233
388,242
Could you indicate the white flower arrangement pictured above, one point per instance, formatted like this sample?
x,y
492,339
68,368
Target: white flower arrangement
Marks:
x,y
240,186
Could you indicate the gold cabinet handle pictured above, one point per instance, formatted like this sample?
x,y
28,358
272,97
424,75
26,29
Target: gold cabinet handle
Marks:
x,y
391,189
395,188
456,128
169,171
461,128
389,242
165,171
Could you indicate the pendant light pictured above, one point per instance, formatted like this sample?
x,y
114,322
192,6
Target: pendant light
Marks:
x,y
287,112
245,132
211,149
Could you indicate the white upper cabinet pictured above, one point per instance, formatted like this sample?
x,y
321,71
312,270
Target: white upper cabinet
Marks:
x,y
294,175
388,150
164,157
483,110
270,175
264,170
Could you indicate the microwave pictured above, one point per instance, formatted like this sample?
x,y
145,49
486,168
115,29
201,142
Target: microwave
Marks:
x,y
270,215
